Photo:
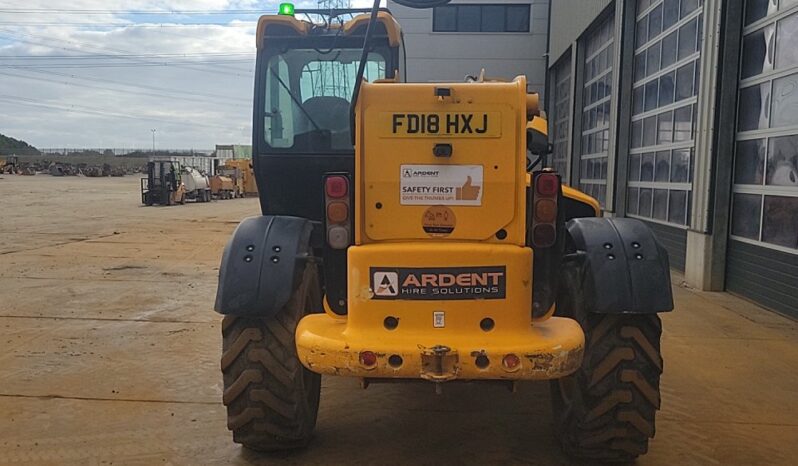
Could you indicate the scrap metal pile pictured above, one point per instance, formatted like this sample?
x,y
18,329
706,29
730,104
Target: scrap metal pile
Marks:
x,y
66,169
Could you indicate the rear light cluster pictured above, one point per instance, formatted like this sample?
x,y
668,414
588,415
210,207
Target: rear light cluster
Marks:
x,y
368,358
338,211
510,362
545,201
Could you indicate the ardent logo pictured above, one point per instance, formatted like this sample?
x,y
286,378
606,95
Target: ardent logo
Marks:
x,y
444,280
386,283
408,173
439,283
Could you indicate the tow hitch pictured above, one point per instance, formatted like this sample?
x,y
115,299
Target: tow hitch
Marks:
x,y
439,364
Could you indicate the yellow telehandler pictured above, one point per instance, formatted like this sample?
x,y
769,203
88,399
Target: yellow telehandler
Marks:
x,y
411,231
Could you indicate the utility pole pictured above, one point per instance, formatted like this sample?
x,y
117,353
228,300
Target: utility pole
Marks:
x,y
153,142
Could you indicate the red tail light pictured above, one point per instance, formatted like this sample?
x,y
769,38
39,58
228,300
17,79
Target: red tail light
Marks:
x,y
336,186
337,211
511,361
368,358
544,209
548,184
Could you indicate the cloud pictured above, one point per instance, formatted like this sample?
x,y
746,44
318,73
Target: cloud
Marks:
x,y
196,93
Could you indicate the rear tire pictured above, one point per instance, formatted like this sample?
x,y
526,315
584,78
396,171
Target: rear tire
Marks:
x,y
606,410
272,400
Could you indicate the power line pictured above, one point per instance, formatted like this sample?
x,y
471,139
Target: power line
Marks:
x,y
150,94
75,11
95,56
98,112
133,64
47,42
141,86
248,24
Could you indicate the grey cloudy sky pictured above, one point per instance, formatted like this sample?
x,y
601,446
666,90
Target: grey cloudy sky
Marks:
x,y
188,75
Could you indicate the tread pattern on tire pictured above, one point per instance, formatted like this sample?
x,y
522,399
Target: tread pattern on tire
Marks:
x,y
271,399
606,410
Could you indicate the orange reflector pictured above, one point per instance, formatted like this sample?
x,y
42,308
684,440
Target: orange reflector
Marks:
x,y
546,211
368,358
511,361
337,212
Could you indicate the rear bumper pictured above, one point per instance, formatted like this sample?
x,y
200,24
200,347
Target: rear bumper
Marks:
x,y
546,350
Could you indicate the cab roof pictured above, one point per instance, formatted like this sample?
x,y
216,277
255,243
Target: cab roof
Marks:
x,y
287,26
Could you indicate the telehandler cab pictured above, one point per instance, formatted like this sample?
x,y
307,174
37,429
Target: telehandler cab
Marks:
x,y
406,235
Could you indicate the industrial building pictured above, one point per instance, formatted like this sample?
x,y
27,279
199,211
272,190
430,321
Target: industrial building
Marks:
x,y
684,113
507,38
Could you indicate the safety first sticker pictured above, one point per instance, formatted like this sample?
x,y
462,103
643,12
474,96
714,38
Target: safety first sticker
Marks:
x,y
441,185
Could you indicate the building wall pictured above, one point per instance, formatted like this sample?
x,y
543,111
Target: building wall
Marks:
x,y
609,158
451,56
763,245
569,19
703,132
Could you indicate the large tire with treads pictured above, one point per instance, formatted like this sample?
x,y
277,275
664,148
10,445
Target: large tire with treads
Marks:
x,y
606,410
271,399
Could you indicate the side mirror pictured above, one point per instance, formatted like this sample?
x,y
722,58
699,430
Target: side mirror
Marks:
x,y
422,3
537,142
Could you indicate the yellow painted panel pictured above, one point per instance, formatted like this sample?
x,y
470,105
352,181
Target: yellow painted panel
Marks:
x,y
302,27
366,314
477,205
577,195
546,350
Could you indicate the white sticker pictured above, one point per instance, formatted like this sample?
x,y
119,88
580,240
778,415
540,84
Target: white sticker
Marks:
x,y
441,185
386,283
438,319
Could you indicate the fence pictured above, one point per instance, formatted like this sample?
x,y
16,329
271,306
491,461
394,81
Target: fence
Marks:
x,y
129,152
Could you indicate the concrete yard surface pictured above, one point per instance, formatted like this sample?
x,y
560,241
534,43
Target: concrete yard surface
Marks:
x,y
111,356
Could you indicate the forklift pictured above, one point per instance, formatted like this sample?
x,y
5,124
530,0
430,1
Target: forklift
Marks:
x,y
413,232
163,185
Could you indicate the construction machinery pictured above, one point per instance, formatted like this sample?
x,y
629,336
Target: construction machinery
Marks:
x,y
408,232
163,184
223,187
243,170
236,176
197,185
9,165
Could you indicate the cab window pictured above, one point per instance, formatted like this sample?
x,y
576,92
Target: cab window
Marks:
x,y
307,98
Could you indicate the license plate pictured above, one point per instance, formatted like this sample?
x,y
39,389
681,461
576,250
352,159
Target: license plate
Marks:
x,y
434,124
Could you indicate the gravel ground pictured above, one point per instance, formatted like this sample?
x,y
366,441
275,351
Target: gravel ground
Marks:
x,y
111,355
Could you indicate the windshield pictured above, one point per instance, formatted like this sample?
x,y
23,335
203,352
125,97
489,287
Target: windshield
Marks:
x,y
307,98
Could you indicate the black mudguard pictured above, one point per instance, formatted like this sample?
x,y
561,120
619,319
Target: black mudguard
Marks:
x,y
624,267
262,265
